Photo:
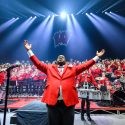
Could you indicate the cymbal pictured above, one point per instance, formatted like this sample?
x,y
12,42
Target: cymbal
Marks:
x,y
99,78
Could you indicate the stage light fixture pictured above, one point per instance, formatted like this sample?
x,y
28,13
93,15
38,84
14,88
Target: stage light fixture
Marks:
x,y
63,15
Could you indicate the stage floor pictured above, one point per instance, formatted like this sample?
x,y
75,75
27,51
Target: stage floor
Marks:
x,y
108,116
97,119
16,103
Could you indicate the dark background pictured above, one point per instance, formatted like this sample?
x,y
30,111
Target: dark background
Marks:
x,y
13,49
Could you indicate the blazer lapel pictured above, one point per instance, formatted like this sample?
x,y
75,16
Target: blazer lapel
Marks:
x,y
56,69
65,68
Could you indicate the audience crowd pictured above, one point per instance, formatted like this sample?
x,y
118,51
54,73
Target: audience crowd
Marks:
x,y
27,80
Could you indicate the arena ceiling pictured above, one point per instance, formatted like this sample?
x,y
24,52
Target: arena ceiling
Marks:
x,y
41,8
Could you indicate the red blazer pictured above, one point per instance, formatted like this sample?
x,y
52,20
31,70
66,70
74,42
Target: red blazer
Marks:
x,y
66,80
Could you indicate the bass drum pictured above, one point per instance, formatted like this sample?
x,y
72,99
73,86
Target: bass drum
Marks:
x,y
118,98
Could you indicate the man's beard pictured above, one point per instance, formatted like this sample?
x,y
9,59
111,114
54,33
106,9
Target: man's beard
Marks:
x,y
61,63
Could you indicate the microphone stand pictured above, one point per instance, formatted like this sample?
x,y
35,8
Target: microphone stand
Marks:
x,y
6,97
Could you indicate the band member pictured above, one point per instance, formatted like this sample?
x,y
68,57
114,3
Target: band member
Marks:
x,y
103,82
96,71
2,89
122,81
60,93
2,77
86,80
118,72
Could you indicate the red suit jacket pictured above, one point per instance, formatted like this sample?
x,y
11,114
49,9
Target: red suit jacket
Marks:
x,y
66,80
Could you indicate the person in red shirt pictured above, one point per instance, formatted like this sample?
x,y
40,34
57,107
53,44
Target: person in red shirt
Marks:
x,y
2,77
104,83
86,80
118,72
113,65
96,71
2,80
60,93
123,66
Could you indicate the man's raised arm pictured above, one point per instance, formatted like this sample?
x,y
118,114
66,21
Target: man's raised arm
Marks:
x,y
80,68
41,66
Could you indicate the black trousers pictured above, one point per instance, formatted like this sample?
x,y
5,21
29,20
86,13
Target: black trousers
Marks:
x,y
87,107
60,114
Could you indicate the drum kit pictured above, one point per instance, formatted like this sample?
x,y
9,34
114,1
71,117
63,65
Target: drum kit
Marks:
x,y
116,93
92,94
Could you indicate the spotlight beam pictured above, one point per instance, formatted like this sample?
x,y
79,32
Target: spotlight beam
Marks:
x,y
113,5
117,18
109,31
7,24
88,6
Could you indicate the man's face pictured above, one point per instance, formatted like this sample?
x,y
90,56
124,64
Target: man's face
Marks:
x,y
61,60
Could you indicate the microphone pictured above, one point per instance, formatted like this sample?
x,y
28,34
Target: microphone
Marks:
x,y
14,66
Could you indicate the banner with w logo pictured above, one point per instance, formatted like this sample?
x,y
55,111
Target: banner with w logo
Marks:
x,y
61,38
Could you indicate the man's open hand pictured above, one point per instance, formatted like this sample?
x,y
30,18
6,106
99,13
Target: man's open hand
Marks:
x,y
27,45
101,53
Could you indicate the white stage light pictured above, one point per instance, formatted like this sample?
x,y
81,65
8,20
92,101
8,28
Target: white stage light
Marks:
x,y
63,15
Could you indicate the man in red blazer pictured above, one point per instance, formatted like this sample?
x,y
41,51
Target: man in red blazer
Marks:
x,y
60,93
